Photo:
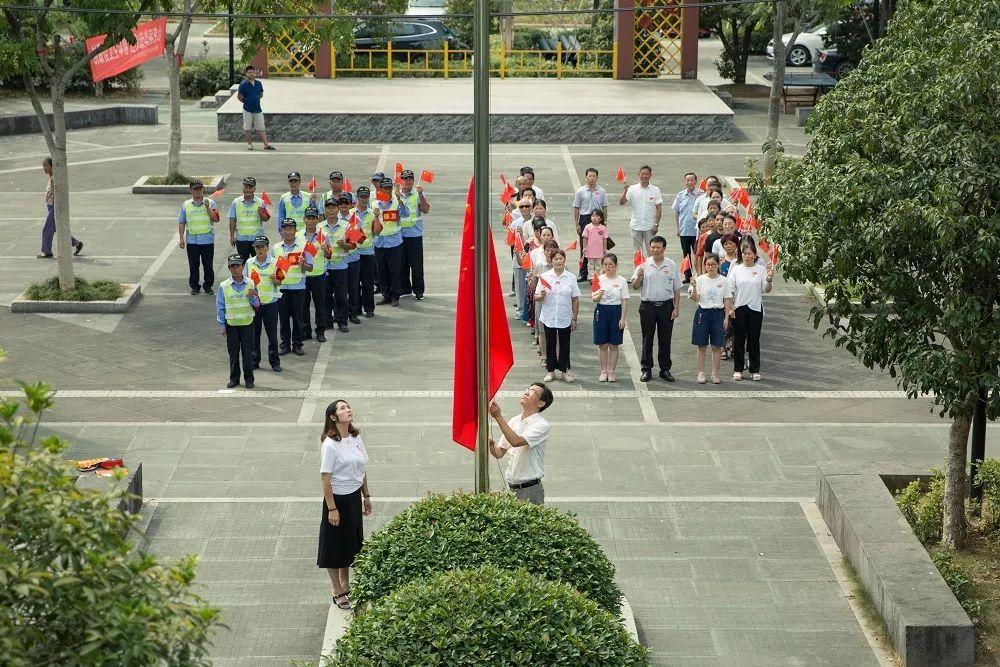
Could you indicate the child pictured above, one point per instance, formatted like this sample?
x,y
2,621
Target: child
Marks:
x,y
710,319
609,315
595,241
234,311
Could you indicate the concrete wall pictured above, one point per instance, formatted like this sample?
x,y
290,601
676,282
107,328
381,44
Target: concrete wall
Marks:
x,y
132,114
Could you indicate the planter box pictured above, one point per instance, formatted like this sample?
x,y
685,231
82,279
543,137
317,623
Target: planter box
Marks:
x,y
818,293
132,483
22,304
140,187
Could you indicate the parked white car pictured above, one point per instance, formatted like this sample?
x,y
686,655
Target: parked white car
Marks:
x,y
806,48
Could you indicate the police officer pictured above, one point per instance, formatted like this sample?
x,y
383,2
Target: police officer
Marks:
x,y
247,215
412,227
234,312
293,287
293,204
336,188
376,184
260,270
353,257
316,277
366,252
389,242
197,235
336,266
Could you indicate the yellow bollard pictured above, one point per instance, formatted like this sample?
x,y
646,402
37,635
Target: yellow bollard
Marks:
x,y
388,60
445,59
558,59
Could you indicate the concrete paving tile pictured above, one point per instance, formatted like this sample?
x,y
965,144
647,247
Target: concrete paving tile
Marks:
x,y
633,465
738,593
689,473
205,473
217,443
778,548
179,489
193,457
288,641
172,548
726,569
791,569
237,570
260,489
680,643
311,591
805,592
748,467
297,546
238,548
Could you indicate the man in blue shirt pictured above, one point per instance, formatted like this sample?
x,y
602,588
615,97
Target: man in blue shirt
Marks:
x,y
687,226
389,241
196,232
412,229
249,93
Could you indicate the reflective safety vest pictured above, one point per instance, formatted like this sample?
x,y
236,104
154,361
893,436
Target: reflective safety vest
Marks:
x,y
198,219
319,261
337,233
367,220
239,312
248,222
296,213
390,219
412,202
266,289
329,195
294,274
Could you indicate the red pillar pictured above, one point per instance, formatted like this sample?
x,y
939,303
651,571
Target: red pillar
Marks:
x,y
259,63
321,57
689,42
625,38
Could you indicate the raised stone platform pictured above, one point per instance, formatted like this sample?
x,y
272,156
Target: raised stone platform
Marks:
x,y
123,114
522,110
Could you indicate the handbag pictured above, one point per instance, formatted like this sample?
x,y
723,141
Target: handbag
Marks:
x,y
611,243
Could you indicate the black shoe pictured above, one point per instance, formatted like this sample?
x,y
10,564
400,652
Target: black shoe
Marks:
x,y
283,350
383,302
45,255
646,376
395,303
195,291
369,315
298,351
79,248
665,375
208,290
256,365
276,368
342,328
354,319
249,385
418,297
320,337
232,384
308,336
686,281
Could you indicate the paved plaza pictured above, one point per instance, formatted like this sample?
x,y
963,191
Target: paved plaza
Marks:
x,y
701,495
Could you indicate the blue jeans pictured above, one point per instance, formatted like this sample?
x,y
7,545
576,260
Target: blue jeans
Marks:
x,y
49,231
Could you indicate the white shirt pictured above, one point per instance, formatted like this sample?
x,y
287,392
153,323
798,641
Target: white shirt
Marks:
x,y
527,463
346,462
701,206
659,281
615,289
539,263
539,194
557,308
745,286
528,229
711,291
643,202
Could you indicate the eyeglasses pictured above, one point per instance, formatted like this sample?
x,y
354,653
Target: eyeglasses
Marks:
x,y
525,206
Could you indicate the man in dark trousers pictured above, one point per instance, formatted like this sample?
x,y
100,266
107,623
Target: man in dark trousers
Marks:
x,y
659,283
196,232
412,228
234,311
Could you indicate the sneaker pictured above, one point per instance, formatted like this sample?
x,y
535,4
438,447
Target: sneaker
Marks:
x,y
612,377
549,377
298,351
568,376
755,377
283,350
79,248
249,147
418,297
715,379
269,147
208,290
701,378
320,337
603,377
737,377
45,255
343,328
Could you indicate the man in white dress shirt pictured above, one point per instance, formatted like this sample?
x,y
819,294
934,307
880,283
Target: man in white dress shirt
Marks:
x,y
647,207
526,434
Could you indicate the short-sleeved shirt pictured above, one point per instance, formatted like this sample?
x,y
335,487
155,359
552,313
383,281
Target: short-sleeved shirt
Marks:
x,y
711,291
539,262
745,286
251,92
588,200
659,282
198,239
594,237
557,307
643,201
50,195
527,462
684,206
346,462
615,290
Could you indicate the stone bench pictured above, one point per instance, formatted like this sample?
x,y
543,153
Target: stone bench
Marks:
x,y
926,624
125,114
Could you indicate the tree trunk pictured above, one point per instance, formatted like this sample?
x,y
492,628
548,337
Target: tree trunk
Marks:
x,y
955,484
777,81
507,25
60,184
742,53
175,48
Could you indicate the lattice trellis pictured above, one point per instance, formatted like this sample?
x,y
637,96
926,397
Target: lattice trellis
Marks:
x,y
293,55
657,39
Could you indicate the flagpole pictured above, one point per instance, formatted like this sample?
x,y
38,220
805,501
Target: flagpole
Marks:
x,y
481,163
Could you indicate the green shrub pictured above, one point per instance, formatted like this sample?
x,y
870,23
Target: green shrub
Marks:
x,y
464,531
487,616
958,581
988,477
129,81
99,290
204,77
924,510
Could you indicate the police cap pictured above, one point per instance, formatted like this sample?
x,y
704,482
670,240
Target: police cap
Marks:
x,y
378,176
234,260
250,182
196,184
407,173
336,175
385,183
294,176
287,222
312,212
261,241
344,199
364,191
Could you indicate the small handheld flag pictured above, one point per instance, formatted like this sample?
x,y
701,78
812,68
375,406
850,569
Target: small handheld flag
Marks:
x,y
686,264
264,198
312,185
571,246
637,258
526,262
595,283
703,184
354,235
510,237
518,243
311,248
347,185
545,283
383,196
426,176
283,264
399,173
620,177
255,277
218,193
507,218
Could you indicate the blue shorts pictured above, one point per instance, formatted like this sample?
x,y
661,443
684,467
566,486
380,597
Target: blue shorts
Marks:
x,y
606,319
708,327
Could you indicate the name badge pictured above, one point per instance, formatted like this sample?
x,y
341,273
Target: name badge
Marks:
x,y
294,257
390,216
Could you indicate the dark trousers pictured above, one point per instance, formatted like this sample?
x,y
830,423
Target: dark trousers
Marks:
x,y
266,317
557,349
337,280
239,342
366,270
49,231
412,266
390,277
655,321
316,295
244,249
205,254
354,288
746,338
688,245
290,317
584,221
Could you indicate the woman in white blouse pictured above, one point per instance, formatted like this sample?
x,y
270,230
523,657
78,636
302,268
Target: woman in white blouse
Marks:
x,y
559,296
746,285
344,479
611,297
710,320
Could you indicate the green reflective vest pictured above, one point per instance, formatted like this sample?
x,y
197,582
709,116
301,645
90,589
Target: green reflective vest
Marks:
x,y
267,291
390,219
412,201
198,219
248,222
328,195
239,312
294,275
367,220
319,260
296,213
337,233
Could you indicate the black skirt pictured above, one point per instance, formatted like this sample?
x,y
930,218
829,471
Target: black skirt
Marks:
x,y
338,545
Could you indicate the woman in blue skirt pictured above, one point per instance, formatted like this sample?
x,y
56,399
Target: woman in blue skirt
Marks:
x,y
710,319
610,291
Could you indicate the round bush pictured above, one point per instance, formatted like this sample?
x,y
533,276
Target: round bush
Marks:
x,y
199,78
487,616
465,531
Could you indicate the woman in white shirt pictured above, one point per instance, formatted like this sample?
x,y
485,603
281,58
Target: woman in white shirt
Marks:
x,y
540,210
746,285
710,321
344,479
559,295
611,297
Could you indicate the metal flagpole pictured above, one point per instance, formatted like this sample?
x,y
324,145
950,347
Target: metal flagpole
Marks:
x,y
481,162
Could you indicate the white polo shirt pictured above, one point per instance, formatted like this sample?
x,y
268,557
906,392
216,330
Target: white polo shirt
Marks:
x,y
557,307
527,463
346,462
643,201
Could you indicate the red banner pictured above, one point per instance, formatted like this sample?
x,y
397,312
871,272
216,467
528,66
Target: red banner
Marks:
x,y
150,38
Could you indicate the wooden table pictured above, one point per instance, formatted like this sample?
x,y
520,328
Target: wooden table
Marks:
x,y
804,89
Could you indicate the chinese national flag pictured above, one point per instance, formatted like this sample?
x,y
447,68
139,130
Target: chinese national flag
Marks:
x,y
312,184
544,282
464,421
347,185
310,248
354,235
571,246
595,283
526,262
283,264
382,196
775,253
686,264
427,176
510,237
399,173
217,193
621,175
703,185
264,198
507,218
637,258
518,243
255,277
508,193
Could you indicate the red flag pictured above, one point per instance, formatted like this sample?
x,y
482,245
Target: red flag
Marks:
x,y
399,173
526,262
510,237
352,222
621,175
703,185
381,195
218,193
427,176
775,253
507,218
571,246
264,198
464,419
347,185
150,41
283,264
544,282
312,185
595,283
320,239
311,249
508,193
503,180
255,277
637,258
518,243
686,264
354,235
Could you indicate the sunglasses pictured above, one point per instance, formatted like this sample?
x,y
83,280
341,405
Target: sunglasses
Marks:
x,y
525,206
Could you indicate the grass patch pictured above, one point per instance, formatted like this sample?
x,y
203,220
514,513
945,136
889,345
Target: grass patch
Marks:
x,y
176,179
100,290
872,618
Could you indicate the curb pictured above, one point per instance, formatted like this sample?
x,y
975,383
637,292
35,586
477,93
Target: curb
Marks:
x,y
133,292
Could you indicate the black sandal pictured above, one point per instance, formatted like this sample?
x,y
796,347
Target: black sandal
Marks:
x,y
342,601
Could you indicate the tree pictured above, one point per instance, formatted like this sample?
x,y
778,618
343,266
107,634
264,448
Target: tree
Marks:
x,y
740,29
74,592
896,204
49,33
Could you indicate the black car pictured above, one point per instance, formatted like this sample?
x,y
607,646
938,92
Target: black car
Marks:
x,y
415,34
832,63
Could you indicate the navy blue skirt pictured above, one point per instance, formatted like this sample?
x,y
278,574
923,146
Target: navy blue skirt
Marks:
x,y
708,327
606,331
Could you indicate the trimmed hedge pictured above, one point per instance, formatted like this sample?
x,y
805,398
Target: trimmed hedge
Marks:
x,y
464,531
487,616
200,78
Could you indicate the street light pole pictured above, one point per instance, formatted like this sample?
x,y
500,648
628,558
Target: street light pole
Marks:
x,y
481,163
232,64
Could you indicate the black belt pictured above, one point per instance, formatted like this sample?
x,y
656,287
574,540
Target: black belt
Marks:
x,y
524,485
658,303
